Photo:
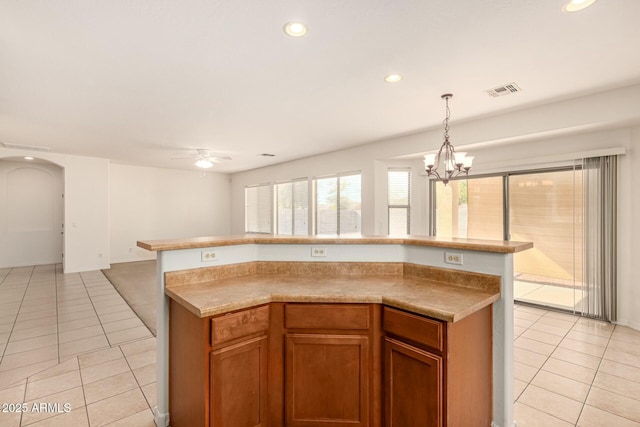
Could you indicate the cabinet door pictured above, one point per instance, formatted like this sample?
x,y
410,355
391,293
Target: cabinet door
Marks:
x,y
327,380
412,386
239,385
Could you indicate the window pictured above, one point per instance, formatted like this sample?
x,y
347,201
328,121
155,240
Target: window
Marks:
x,y
338,203
257,208
399,200
292,207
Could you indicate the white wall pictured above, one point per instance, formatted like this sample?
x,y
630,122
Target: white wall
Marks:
x,y
86,238
154,203
108,207
534,137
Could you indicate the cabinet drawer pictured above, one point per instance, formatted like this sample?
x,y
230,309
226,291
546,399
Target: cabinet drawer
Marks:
x,y
326,316
240,324
413,327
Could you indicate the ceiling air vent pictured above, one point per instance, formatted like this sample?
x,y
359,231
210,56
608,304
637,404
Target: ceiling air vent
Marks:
x,y
25,147
507,89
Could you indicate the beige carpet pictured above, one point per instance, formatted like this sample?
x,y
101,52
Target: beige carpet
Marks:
x,y
136,283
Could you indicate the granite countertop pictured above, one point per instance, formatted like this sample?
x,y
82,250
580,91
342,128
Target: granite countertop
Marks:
x,y
447,301
452,243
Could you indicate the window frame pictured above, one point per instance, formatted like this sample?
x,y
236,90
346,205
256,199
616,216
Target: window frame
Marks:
x,y
276,221
315,199
269,186
393,206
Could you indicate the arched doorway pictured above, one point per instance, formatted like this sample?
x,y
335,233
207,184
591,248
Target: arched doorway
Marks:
x,y
31,212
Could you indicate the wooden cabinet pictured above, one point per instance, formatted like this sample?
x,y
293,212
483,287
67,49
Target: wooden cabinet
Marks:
x,y
437,373
327,380
328,364
239,369
239,384
413,386
312,365
218,368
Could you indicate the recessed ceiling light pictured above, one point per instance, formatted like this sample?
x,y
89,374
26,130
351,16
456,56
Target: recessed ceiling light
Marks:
x,y
295,29
577,5
28,158
392,78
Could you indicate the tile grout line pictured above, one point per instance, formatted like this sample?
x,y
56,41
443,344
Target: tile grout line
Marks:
x,y
516,400
57,313
96,311
15,320
84,395
134,376
597,371
117,394
84,284
540,369
594,378
546,413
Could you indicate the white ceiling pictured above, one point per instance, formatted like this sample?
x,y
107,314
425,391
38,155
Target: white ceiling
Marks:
x,y
143,81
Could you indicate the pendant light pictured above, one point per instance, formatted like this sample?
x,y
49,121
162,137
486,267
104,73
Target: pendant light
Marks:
x,y
453,163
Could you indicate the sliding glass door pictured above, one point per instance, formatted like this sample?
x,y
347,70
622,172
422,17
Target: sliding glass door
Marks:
x,y
544,207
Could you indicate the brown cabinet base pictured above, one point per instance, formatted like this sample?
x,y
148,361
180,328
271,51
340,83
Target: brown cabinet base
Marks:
x,y
306,365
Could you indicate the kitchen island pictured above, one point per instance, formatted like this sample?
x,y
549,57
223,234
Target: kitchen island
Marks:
x,y
396,284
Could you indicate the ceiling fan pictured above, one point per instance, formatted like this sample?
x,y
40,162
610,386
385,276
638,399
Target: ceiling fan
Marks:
x,y
204,159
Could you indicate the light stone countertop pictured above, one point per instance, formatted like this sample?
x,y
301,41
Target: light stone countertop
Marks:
x,y
495,246
444,301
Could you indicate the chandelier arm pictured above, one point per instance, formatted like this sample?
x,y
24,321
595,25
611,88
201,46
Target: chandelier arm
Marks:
x,y
435,173
438,157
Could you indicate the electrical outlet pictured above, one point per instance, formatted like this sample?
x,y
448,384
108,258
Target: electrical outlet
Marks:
x,y
208,256
452,258
318,251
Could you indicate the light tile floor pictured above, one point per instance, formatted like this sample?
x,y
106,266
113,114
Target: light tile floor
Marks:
x,y
70,338
573,371
549,295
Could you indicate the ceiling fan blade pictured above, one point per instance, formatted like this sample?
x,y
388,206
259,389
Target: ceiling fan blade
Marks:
x,y
183,158
220,158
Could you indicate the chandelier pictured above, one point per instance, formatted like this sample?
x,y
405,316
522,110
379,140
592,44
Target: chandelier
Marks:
x,y
454,163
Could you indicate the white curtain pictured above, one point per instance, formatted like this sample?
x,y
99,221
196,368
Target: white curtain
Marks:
x,y
600,228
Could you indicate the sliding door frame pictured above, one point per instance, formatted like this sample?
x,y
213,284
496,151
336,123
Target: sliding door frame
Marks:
x,y
505,197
